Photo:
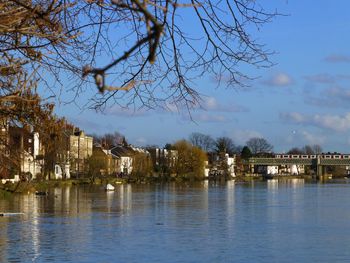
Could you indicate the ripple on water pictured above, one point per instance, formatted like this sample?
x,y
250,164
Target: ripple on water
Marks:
x,y
260,222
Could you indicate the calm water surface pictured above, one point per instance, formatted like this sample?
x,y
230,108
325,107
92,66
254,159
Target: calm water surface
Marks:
x,y
274,221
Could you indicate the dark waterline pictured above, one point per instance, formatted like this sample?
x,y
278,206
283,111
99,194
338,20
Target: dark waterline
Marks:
x,y
274,221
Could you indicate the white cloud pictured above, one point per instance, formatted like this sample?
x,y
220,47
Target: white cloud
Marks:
x,y
338,58
141,141
279,80
299,138
324,78
204,117
338,92
332,122
125,112
295,116
334,97
211,104
242,136
313,139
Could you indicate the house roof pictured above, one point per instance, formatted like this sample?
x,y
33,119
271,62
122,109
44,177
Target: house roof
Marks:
x,y
122,151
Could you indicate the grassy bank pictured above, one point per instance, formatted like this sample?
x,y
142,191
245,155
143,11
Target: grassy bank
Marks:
x,y
4,194
43,186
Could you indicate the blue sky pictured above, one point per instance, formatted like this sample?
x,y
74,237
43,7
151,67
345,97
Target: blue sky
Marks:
x,y
303,99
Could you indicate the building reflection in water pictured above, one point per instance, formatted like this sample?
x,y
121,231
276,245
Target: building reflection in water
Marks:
x,y
35,228
109,202
272,184
230,207
4,222
205,199
124,193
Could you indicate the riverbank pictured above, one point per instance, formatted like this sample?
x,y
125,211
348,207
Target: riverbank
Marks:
x,y
43,186
25,187
33,186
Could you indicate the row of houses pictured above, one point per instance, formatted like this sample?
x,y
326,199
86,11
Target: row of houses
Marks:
x,y
77,155
22,152
117,160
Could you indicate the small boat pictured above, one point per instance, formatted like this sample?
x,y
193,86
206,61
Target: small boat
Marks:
x,y
109,187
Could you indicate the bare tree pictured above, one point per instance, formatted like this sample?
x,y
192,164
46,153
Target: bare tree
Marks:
x,y
32,38
148,55
307,149
317,149
109,139
295,150
224,145
166,56
202,141
154,56
259,145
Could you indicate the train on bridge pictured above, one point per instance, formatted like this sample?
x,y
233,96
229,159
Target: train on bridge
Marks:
x,y
312,156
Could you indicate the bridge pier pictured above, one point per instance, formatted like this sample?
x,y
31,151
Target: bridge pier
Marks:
x,y
319,172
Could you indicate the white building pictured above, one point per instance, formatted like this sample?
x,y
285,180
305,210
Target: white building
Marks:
x,y
29,162
272,169
231,161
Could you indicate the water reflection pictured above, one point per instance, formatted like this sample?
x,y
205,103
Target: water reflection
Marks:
x,y
272,184
206,222
230,207
3,239
125,197
35,228
109,203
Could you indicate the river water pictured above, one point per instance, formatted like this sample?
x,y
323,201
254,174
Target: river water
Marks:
x,y
273,221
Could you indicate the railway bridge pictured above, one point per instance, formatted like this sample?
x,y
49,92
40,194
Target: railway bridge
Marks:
x,y
319,161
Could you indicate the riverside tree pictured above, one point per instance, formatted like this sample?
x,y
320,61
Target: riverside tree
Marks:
x,y
202,141
142,165
246,153
224,145
259,145
191,160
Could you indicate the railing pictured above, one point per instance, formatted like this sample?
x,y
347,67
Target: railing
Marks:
x,y
284,159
